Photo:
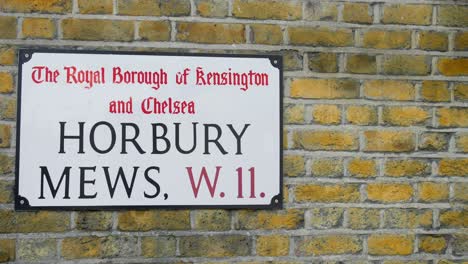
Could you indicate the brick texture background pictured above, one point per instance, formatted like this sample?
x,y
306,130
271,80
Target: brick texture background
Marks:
x,y
375,135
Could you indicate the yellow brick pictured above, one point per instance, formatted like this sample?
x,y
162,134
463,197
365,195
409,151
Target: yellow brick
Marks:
x,y
432,244
275,9
6,82
389,192
6,164
323,62
461,92
325,218
320,11
217,245
327,167
210,33
453,218
273,245
327,193
38,28
6,191
406,65
407,14
453,167
361,63
461,192
387,39
389,244
158,246
363,218
452,15
431,141
81,247
361,115
154,7
294,114
405,115
5,136
266,34
8,109
212,220
323,88
7,55
357,13
95,6
461,41
95,29
389,90
320,36
43,221
292,60
325,140
293,166
284,219
154,30
33,6
329,245
431,40
326,114
453,117
435,91
7,250
362,168
151,220
389,141
407,218
453,66
212,8
7,27
433,192
94,220
461,142
406,167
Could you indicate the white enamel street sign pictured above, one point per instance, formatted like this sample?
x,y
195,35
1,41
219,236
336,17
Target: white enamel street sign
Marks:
x,y
138,130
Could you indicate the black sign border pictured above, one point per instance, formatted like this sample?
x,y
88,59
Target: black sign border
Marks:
x,y
22,204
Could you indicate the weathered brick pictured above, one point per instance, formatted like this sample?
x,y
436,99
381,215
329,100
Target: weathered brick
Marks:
x,y
96,29
461,41
432,244
320,36
460,244
389,244
358,13
452,15
38,28
361,63
6,191
323,62
154,7
406,65
293,166
453,66
461,92
215,246
325,218
151,220
7,250
453,218
432,40
294,114
37,249
8,109
95,6
328,245
362,168
407,14
266,34
292,60
378,39
81,247
433,141
272,245
6,82
290,10
326,114
325,140
285,219
119,246
43,221
327,193
31,6
99,221
6,164
210,33
361,115
7,221
212,220
461,142
320,11
154,30
435,91
7,55
389,141
212,8
453,167
407,218
407,167
363,218
160,246
389,90
5,136
323,88
7,27
405,116
460,192
433,192
389,192
327,167
452,117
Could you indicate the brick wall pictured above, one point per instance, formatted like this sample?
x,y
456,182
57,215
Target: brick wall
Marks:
x,y
376,131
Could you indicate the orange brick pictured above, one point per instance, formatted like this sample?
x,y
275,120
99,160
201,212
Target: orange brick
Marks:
x,y
38,28
389,244
326,114
327,193
6,82
362,168
389,90
325,140
453,66
389,141
361,115
270,220
452,117
433,192
389,192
